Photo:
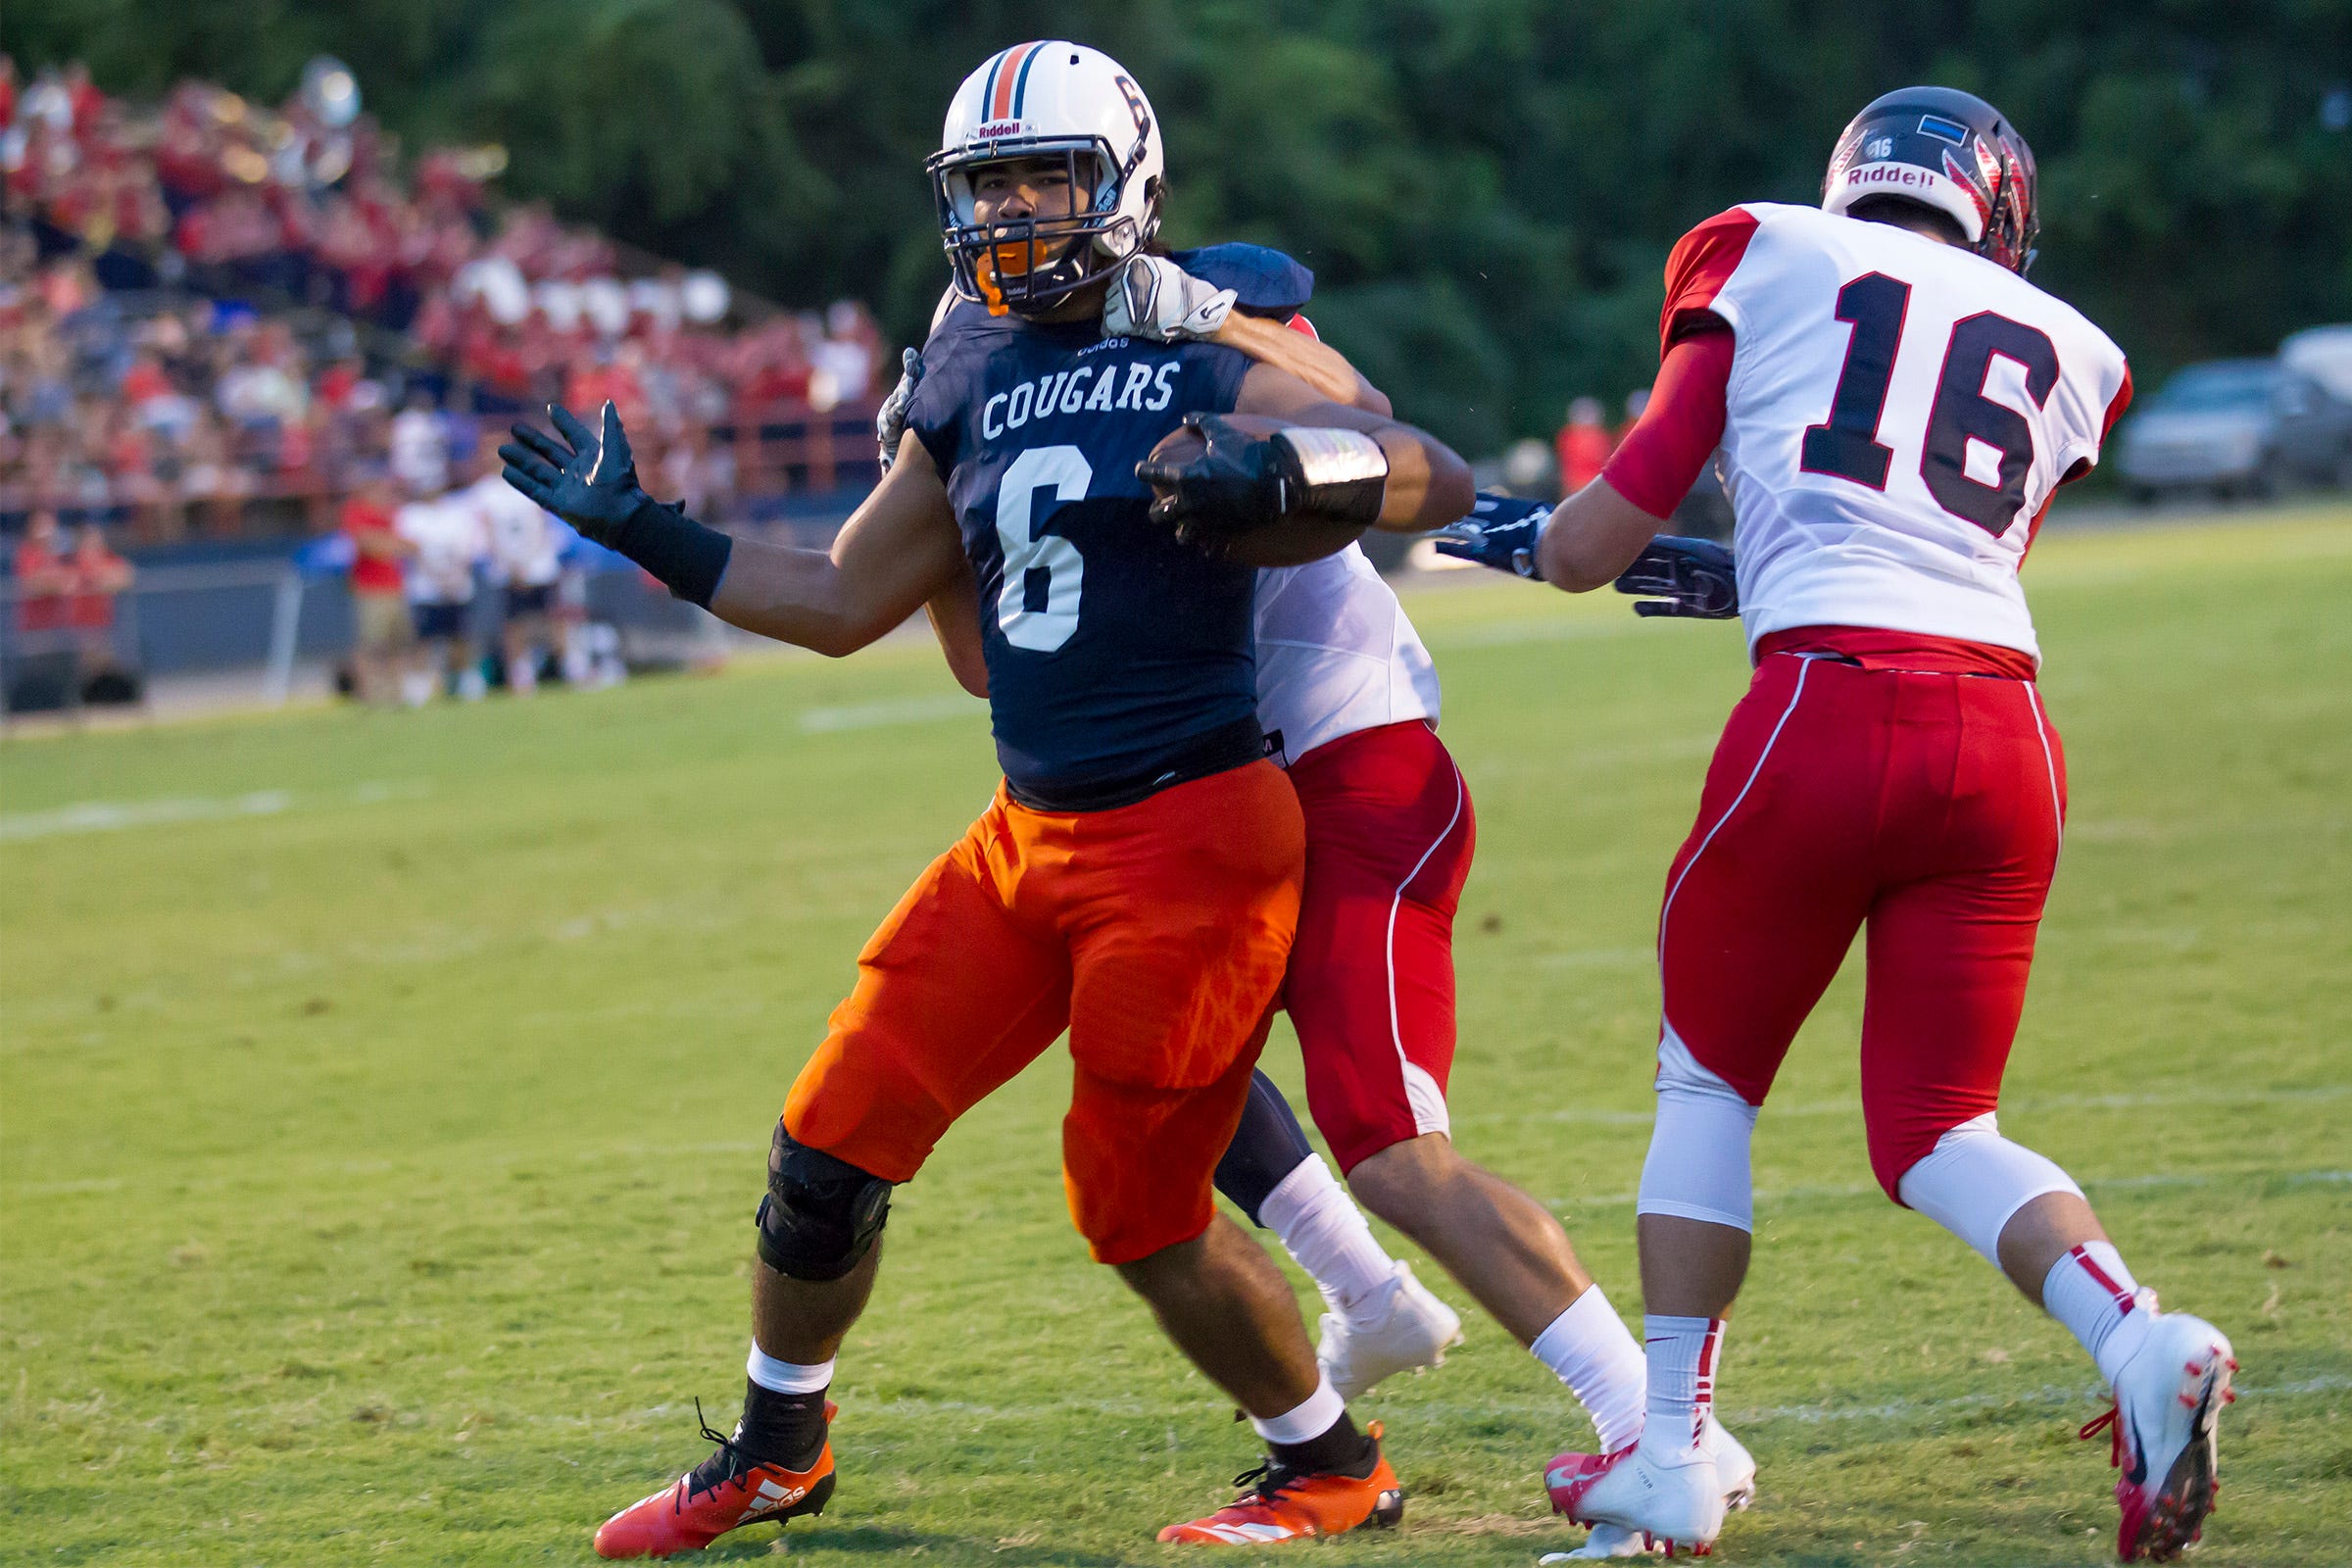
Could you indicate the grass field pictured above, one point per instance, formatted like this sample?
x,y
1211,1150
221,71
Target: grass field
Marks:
x,y
385,1098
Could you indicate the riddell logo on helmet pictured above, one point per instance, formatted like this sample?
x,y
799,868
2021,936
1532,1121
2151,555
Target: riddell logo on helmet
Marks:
x,y
1908,174
999,129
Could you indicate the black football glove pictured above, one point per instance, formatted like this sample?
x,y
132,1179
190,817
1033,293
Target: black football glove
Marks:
x,y
589,483
1501,533
1693,579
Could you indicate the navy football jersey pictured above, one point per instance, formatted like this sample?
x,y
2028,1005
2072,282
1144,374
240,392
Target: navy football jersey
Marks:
x,y
1119,660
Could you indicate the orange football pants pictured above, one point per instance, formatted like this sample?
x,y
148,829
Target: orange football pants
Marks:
x,y
1155,933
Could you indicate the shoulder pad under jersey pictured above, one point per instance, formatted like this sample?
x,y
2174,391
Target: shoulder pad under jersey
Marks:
x,y
1264,281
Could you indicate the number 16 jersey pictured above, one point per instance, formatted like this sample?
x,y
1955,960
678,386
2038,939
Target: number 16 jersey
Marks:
x,y
1900,412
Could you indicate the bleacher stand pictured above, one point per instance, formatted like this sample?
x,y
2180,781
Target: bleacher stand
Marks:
x,y
218,322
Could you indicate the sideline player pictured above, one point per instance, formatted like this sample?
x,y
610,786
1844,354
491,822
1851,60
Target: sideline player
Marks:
x,y
1894,406
1348,698
526,554
1137,878
445,547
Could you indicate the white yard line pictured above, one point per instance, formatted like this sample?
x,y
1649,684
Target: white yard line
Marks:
x,y
1521,630
114,816
2026,1106
890,712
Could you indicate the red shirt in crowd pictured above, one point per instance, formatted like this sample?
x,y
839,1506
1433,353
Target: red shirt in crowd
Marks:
x,y
363,520
43,575
99,575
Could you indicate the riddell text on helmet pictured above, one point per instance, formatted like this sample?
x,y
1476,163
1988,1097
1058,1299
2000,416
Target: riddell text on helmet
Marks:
x,y
1893,175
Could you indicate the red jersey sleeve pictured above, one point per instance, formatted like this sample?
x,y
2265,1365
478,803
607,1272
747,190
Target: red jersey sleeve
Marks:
x,y
1662,455
1300,324
2116,406
1703,262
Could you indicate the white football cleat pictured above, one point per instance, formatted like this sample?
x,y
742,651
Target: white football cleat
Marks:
x,y
1606,1543
1413,1329
1735,1466
1675,1505
2167,1399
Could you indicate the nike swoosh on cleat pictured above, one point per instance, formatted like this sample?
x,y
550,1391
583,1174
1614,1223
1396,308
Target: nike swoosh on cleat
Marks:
x,y
2138,1474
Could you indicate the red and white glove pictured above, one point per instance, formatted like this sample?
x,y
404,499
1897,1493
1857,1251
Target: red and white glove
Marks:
x,y
1154,298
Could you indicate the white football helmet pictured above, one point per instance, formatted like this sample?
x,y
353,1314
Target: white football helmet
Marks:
x,y
1048,99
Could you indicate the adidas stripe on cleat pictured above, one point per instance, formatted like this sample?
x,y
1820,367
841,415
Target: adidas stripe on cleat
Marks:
x,y
1284,1505
725,1491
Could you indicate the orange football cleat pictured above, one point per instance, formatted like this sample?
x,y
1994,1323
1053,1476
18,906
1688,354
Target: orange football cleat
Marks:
x,y
1284,1505
725,1492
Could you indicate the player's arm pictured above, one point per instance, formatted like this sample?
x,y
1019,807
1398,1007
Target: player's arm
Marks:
x,y
955,612
1155,299
1596,534
1426,483
382,544
1290,477
897,549
1608,531
1312,359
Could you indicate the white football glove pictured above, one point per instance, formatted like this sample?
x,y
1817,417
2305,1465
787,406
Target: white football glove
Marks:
x,y
1155,299
890,421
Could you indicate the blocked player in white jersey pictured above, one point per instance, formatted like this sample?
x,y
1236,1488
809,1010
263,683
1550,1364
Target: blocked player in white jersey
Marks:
x,y
1891,405
1348,701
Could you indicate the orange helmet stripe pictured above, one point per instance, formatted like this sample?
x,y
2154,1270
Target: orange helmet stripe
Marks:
x,y
1007,72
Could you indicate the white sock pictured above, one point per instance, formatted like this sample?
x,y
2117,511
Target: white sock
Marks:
x,y
786,1376
1305,1422
1683,1353
2095,1297
1589,1349
1326,1234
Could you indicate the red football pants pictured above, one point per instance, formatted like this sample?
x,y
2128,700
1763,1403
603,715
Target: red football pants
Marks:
x,y
1389,835
1926,807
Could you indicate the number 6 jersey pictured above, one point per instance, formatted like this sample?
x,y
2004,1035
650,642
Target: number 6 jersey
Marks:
x,y
1899,413
1119,661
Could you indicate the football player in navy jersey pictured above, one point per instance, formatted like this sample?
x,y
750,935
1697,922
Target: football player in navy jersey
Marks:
x,y
1137,878
1347,685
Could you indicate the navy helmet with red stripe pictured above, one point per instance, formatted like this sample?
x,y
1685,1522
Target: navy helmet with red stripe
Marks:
x,y
1048,99
1947,150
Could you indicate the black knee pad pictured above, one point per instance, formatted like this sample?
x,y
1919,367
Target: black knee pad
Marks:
x,y
821,1216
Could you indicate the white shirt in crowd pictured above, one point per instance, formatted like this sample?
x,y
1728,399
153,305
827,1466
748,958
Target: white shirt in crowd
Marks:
x,y
526,548
448,539
419,451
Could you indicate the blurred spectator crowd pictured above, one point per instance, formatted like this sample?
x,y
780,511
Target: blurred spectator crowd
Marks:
x,y
219,317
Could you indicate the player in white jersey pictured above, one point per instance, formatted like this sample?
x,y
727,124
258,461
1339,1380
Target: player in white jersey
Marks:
x,y
446,544
1892,406
1348,701
525,547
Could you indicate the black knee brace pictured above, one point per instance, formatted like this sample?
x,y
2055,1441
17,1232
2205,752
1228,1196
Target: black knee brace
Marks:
x,y
821,1216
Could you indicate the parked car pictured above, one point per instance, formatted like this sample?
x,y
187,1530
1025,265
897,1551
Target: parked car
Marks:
x,y
2237,428
2325,354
